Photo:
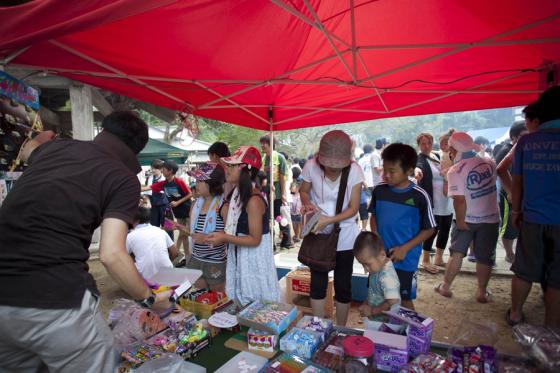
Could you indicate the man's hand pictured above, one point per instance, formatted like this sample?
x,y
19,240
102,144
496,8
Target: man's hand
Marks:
x,y
398,253
306,209
173,204
462,226
162,302
365,310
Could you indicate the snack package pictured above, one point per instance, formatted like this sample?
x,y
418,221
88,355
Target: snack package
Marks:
x,y
268,316
479,359
546,350
430,363
289,363
526,334
301,342
259,340
316,324
331,354
137,324
418,329
138,353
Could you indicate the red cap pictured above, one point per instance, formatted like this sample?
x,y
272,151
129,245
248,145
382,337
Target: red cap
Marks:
x,y
248,155
356,346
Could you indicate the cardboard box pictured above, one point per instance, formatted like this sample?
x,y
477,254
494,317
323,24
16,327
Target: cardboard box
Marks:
x,y
391,350
419,329
255,316
259,340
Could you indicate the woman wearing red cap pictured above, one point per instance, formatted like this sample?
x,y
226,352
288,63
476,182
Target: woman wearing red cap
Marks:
x,y
251,272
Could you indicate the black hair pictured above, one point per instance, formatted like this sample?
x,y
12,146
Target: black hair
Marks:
x,y
128,127
368,148
220,149
157,164
171,165
480,140
266,140
216,182
370,242
497,149
516,129
530,111
144,215
246,179
402,153
548,105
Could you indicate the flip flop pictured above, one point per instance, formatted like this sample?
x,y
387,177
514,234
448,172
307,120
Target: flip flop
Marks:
x,y
486,298
437,289
513,322
430,268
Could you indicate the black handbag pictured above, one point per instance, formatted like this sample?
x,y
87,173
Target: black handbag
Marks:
x,y
318,251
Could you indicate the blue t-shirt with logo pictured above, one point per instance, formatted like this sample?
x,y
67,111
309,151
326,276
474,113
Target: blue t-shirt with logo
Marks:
x,y
400,215
537,160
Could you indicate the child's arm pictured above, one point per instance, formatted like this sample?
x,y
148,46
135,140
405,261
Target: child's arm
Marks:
x,y
367,311
399,253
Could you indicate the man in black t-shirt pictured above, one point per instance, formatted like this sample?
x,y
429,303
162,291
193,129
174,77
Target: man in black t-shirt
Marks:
x,y
49,303
508,232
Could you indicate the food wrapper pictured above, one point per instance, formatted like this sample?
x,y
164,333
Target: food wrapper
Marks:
x,y
479,359
316,324
301,342
430,363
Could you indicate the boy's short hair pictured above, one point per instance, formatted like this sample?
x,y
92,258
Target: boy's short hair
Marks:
x,y
157,164
530,111
220,149
516,129
370,242
266,140
402,153
144,214
548,107
128,127
368,148
171,165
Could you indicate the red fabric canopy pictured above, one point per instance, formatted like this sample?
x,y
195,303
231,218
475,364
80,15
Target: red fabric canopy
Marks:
x,y
310,62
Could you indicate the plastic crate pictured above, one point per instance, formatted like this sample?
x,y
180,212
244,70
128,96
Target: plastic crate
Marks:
x,y
201,310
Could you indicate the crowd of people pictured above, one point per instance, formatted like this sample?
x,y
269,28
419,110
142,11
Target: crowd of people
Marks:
x,y
397,202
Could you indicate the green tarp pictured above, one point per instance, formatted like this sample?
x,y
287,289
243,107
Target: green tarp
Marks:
x,y
159,150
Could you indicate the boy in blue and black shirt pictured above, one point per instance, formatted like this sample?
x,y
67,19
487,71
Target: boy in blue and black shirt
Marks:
x,y
402,215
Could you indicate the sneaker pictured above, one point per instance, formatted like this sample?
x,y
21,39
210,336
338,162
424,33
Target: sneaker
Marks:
x,y
471,258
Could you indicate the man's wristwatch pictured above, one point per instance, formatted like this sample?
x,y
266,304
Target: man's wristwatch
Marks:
x,y
148,302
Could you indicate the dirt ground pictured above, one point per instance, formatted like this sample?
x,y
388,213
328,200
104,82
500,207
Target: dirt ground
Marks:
x,y
459,319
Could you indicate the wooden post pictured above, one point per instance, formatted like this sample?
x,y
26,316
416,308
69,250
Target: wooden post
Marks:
x,y
82,112
82,128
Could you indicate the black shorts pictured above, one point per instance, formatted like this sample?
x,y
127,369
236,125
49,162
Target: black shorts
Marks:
x,y
537,258
296,218
364,214
408,282
507,229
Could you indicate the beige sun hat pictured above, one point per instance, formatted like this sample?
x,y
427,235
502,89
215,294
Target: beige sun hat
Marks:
x,y
335,149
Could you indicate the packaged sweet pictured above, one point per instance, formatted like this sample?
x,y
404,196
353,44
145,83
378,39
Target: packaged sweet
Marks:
x,y
243,362
479,359
268,316
179,319
331,354
137,324
259,340
290,363
418,329
316,324
138,353
391,350
301,342
526,334
430,363
358,354
546,350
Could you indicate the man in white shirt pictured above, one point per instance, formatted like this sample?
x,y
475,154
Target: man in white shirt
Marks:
x,y
472,186
151,246
366,163
377,162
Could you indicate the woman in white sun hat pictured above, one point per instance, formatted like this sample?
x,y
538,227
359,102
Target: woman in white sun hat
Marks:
x,y
319,192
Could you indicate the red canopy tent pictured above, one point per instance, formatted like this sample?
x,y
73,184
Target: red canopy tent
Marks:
x,y
284,64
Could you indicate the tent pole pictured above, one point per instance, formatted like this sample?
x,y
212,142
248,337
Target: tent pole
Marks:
x,y
271,181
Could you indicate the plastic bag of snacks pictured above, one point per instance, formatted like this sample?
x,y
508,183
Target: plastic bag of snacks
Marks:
x,y
543,344
479,359
429,363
